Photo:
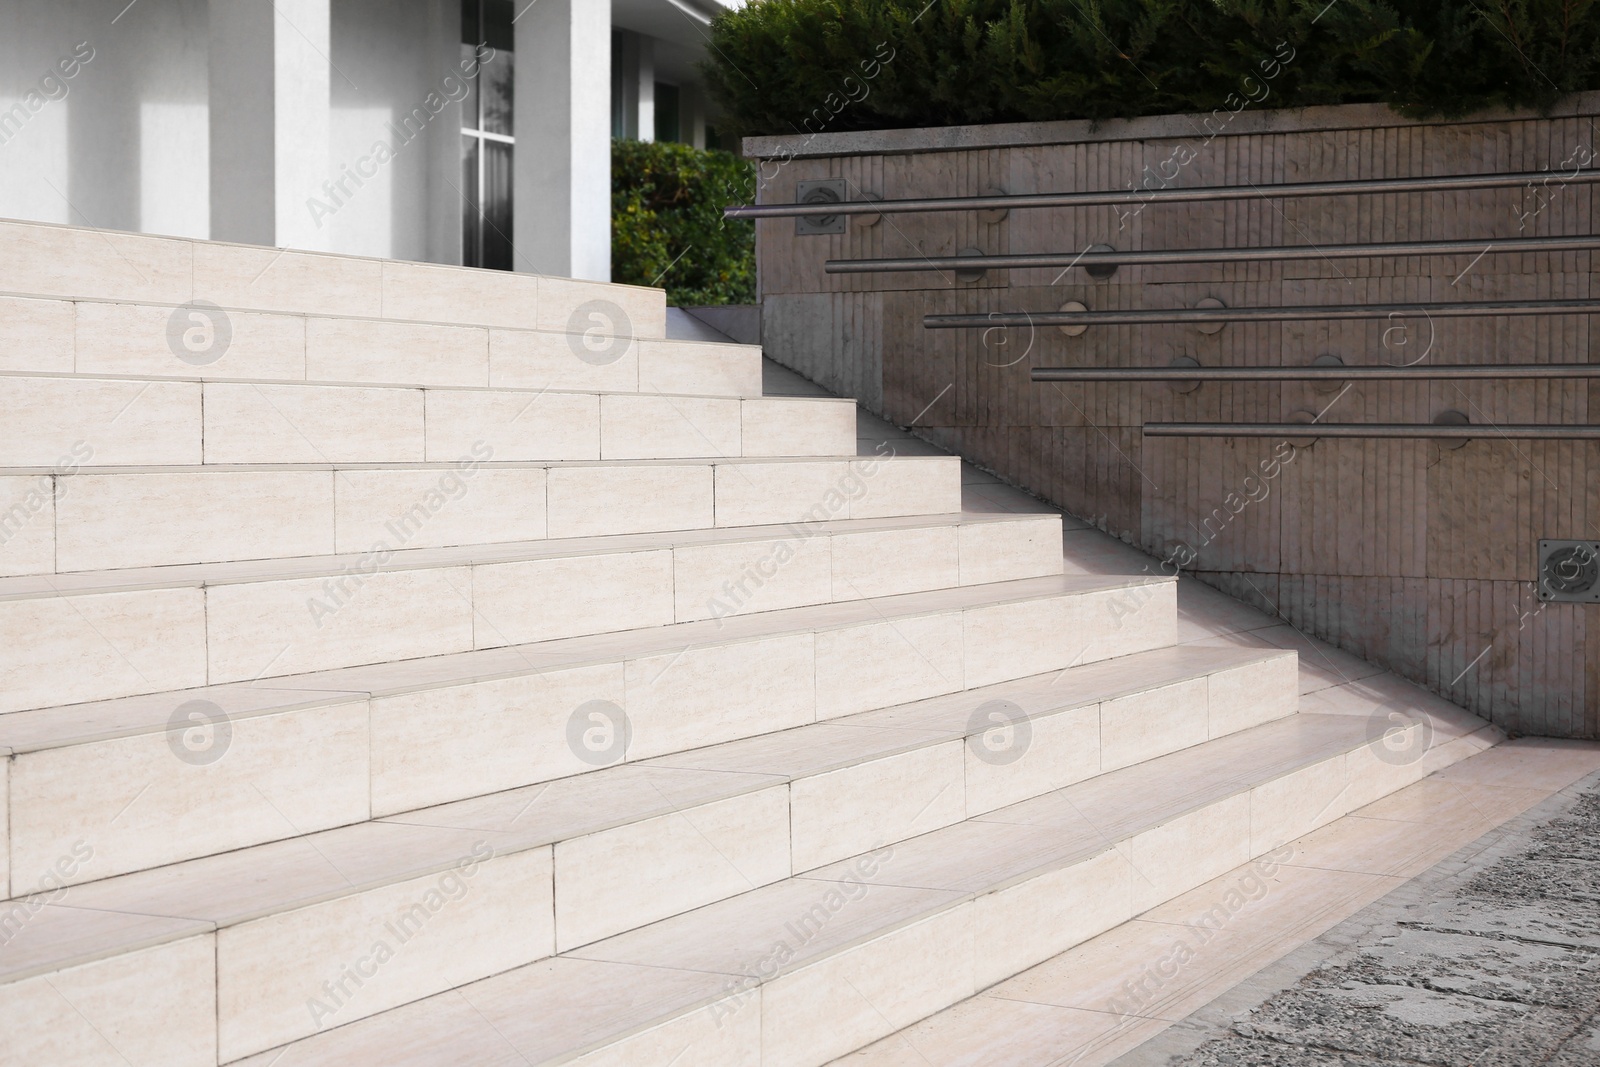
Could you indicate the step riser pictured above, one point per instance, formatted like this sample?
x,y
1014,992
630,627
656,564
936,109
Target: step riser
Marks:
x,y
422,753
63,262
360,616
270,970
206,787
274,974
134,423
751,494
673,864
74,522
159,1006
716,1040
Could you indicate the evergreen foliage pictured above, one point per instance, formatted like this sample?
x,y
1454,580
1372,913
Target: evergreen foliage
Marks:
x,y
787,66
667,227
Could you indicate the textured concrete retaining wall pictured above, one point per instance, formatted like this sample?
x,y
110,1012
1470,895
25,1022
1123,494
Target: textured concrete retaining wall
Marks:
x,y
1418,558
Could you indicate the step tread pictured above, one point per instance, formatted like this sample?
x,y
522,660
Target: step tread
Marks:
x,y
677,964
950,715
41,728
100,377
451,465
544,1012
383,320
229,888
447,324
291,567
67,262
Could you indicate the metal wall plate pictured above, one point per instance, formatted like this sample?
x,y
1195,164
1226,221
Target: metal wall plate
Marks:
x,y
1303,417
970,274
1188,385
990,216
1103,271
869,220
830,191
1569,571
1327,360
1210,327
1073,306
1453,418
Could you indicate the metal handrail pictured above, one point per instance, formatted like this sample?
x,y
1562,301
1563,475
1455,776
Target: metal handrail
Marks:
x,y
1377,429
1016,201
1090,258
1379,372
1166,257
1259,314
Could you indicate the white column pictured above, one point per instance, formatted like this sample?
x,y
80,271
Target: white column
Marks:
x,y
444,143
692,115
270,76
635,79
561,181
643,53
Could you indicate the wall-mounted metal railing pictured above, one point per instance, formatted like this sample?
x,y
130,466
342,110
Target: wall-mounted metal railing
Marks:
x,y
1134,317
1357,373
1171,257
1101,260
1446,432
1020,201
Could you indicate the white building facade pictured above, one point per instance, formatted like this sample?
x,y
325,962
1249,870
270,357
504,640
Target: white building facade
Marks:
x,y
471,132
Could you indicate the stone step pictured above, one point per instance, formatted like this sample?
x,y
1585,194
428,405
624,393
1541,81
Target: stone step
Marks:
x,y
101,339
788,974
77,516
72,262
232,622
184,772
615,849
1155,990
123,422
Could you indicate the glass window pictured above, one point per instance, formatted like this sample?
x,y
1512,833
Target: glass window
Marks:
x,y
494,94
496,205
667,112
619,88
487,144
471,228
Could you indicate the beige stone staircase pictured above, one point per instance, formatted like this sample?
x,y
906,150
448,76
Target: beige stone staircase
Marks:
x,y
416,665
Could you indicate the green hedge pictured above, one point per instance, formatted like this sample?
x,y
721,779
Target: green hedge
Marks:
x,y
786,66
667,228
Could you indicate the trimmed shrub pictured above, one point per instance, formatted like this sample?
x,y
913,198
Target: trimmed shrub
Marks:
x,y
667,227
816,65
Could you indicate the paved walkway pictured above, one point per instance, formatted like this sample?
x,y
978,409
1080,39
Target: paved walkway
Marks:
x,y
1492,957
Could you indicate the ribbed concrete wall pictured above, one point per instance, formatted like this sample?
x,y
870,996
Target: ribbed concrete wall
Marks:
x,y
1418,558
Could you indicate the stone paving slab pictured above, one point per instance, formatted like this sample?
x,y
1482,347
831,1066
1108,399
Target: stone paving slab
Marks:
x,y
1489,959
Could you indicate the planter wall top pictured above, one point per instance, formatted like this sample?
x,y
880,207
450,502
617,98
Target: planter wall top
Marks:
x,y
1149,127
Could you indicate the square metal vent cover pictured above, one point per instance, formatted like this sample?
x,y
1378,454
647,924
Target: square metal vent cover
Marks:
x,y
830,191
1569,571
